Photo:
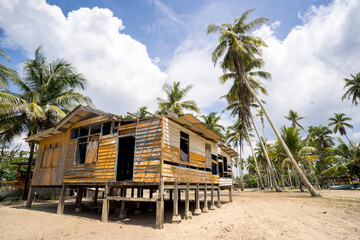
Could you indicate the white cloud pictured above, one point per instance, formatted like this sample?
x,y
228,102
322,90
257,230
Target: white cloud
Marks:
x,y
309,65
121,75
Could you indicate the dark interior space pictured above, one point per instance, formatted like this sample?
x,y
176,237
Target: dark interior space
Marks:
x,y
125,160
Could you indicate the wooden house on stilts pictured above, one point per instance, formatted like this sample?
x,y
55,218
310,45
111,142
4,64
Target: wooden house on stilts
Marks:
x,y
135,160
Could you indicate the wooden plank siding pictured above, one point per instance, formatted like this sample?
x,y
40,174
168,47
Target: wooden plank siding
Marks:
x,y
103,170
147,163
171,153
51,172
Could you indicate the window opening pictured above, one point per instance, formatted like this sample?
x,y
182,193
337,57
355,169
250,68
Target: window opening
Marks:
x,y
214,165
184,147
106,128
95,129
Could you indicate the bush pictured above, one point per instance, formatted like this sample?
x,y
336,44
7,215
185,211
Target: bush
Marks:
x,y
48,196
1,198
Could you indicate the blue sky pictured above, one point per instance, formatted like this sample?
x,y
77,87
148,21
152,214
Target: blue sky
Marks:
x,y
129,49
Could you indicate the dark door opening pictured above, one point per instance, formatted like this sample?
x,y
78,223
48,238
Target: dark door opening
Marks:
x,y
125,162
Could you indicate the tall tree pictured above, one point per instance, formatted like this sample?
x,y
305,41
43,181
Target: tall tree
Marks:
x,y
175,94
294,117
239,50
6,73
46,94
212,121
353,89
339,121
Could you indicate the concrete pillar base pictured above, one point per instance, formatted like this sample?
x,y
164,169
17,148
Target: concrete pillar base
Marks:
x,y
197,211
176,219
188,215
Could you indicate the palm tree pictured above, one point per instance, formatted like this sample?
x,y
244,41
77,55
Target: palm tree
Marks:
x,y
141,112
240,50
236,137
339,123
212,121
46,94
294,117
174,95
260,113
6,73
353,91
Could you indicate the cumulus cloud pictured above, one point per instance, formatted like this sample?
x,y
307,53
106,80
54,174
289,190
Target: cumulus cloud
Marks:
x,y
121,75
309,65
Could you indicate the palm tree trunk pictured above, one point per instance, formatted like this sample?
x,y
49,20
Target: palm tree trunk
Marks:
x,y
311,189
253,154
240,169
289,175
272,176
349,140
28,171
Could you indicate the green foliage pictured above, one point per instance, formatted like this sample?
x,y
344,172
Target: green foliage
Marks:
x,y
1,198
212,121
48,196
8,170
174,96
353,89
250,180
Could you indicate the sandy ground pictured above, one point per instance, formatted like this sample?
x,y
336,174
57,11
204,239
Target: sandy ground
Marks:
x,y
252,215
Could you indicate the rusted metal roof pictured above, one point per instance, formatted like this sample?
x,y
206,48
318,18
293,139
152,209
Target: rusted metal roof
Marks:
x,y
78,114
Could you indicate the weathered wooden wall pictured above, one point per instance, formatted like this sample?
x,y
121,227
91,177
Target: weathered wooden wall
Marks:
x,y
171,153
103,170
50,173
147,166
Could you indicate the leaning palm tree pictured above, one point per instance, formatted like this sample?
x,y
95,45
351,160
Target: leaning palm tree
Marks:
x,y
6,73
239,50
212,121
175,95
353,90
45,95
294,117
339,123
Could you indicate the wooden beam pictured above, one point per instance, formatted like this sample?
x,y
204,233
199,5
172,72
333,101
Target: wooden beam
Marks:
x,y
30,197
187,214
132,199
60,209
205,208
197,200
212,206
106,205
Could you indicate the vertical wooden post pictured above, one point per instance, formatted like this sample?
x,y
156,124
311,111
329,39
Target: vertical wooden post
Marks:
x,y
187,214
160,207
96,194
60,209
179,196
106,205
212,206
230,194
132,192
30,197
218,197
171,195
138,204
205,208
151,204
122,214
151,193
79,199
197,200
176,217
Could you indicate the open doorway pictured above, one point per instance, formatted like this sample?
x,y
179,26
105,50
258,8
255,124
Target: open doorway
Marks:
x,y
125,160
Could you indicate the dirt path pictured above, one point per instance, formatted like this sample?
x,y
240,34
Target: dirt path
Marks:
x,y
252,215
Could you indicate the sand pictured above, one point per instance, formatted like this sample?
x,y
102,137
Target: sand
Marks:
x,y
252,215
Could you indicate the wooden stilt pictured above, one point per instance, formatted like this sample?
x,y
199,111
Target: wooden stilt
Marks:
x,y
230,194
122,214
171,195
197,200
205,208
132,192
187,214
60,209
138,204
96,194
179,197
212,206
106,205
79,199
176,217
30,197
218,197
160,207
151,204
